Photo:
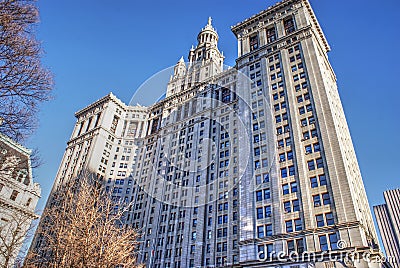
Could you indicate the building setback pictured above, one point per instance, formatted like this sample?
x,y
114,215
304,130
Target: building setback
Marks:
x,y
235,164
388,219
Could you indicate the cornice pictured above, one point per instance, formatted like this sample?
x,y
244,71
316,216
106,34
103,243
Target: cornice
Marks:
x,y
10,142
269,11
105,99
296,4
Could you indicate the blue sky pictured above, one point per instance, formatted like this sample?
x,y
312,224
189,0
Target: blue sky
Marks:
x,y
94,47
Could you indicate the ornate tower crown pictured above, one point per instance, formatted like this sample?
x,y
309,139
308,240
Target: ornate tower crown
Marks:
x,y
208,34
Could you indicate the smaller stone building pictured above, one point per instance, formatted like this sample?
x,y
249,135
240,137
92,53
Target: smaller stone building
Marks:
x,y
18,198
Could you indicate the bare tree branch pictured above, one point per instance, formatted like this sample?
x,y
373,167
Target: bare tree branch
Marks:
x,y
15,228
81,229
24,82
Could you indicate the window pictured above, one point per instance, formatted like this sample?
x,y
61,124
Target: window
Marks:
x,y
267,194
264,251
329,219
287,207
280,143
323,243
283,172
333,241
285,189
234,229
14,195
296,205
267,211
260,214
291,246
271,35
322,179
260,231
265,177
264,162
300,99
314,133
261,251
317,147
317,200
293,187
326,199
253,42
256,139
258,195
311,165
289,226
314,182
320,163
258,179
291,171
298,225
300,245
320,220
288,24
268,230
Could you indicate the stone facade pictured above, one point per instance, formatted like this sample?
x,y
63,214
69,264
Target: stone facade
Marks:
x,y
18,197
235,164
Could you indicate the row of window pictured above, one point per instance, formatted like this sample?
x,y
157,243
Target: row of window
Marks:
x,y
293,225
326,242
271,33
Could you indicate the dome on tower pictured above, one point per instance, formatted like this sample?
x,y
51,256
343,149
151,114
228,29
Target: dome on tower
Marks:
x,y
208,34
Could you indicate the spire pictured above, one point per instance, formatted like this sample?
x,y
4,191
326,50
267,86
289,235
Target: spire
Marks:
x,y
180,68
209,25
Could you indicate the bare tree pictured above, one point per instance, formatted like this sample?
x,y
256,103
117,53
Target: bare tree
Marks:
x,y
24,82
83,228
15,228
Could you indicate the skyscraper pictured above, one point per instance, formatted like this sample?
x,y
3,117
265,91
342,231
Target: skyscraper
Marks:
x,y
388,219
249,166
